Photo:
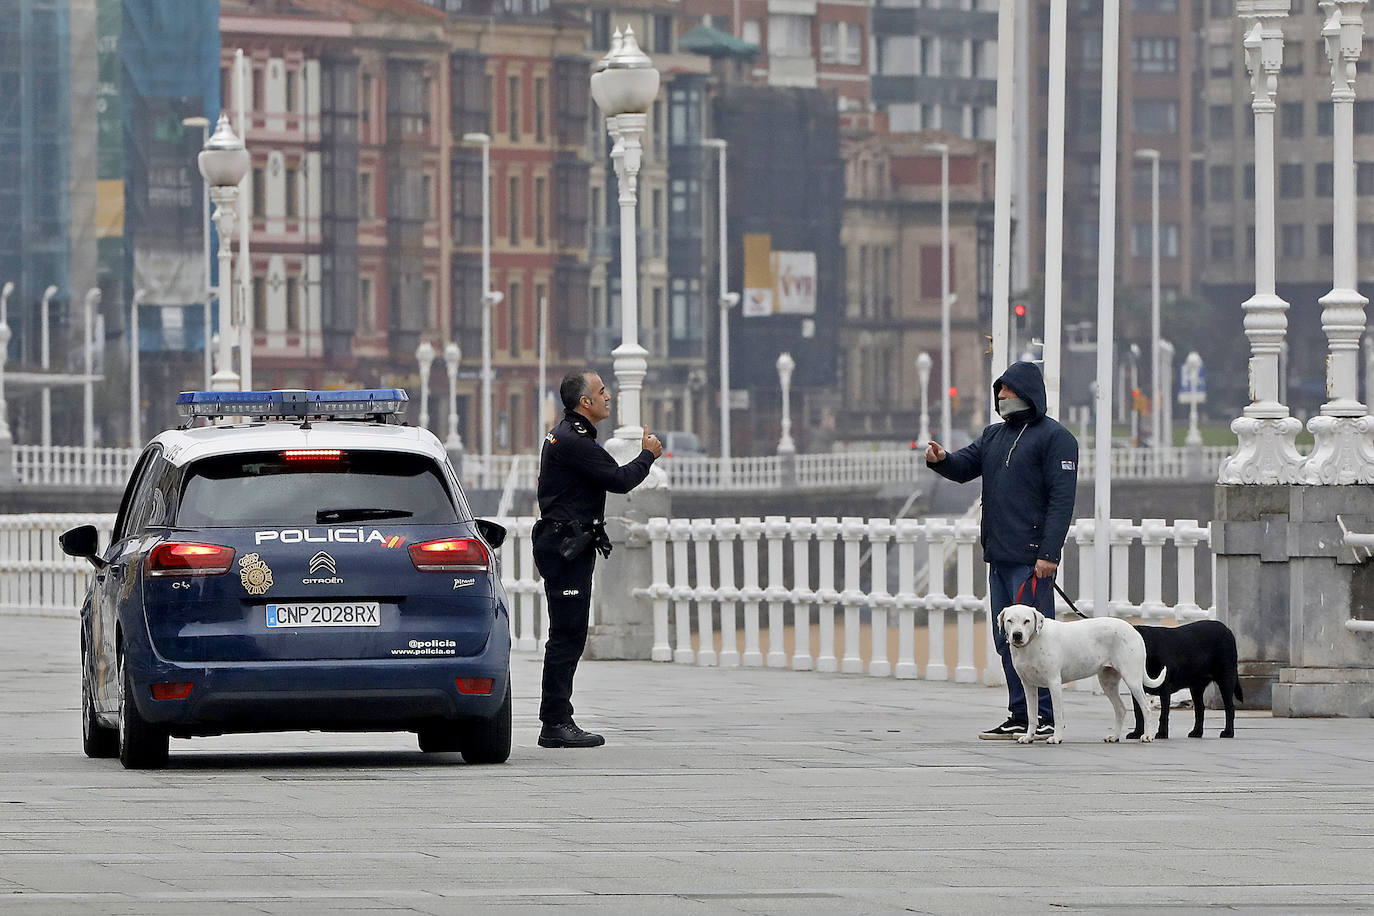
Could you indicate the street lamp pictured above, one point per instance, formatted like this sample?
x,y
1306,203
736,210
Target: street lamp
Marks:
x,y
1192,371
727,301
1156,424
785,366
5,438
1135,389
452,354
624,85
923,370
45,399
490,299
204,125
223,163
946,299
424,356
135,392
87,390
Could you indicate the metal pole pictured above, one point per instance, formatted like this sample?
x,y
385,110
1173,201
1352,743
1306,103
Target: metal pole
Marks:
x,y
87,387
452,356
135,381
1106,334
726,301
923,373
543,386
630,359
204,125
45,356
1002,181
946,299
1156,429
244,319
487,304
1054,206
424,359
225,378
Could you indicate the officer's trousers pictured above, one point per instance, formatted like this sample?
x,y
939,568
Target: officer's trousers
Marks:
x,y
568,587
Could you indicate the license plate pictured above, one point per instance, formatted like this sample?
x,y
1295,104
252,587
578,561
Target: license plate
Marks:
x,y
325,614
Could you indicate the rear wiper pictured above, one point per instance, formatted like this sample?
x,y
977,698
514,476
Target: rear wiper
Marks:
x,y
325,516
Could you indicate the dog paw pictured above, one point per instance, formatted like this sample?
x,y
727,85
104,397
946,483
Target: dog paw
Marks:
x,y
1195,733
1054,739
1228,733
1024,739
1147,737
1111,739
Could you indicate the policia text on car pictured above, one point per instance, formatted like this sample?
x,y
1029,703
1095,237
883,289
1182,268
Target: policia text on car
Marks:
x,y
575,474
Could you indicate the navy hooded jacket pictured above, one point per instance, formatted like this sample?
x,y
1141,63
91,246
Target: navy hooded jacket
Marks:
x,y
1029,466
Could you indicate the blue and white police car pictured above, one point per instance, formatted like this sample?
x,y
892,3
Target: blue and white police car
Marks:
x,y
313,565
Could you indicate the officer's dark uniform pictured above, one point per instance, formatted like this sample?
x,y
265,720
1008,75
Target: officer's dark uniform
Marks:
x,y
575,474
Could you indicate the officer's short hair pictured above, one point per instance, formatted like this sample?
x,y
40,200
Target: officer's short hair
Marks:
x,y
573,387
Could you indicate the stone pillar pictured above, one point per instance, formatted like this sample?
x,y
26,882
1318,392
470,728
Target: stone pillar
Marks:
x,y
1266,453
623,625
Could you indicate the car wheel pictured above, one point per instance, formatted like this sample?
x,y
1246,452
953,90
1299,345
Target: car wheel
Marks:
x,y
488,740
142,745
97,740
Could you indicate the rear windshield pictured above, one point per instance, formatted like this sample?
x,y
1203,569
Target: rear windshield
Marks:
x,y
264,488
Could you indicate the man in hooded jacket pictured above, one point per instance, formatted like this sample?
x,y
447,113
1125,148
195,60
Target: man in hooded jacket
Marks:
x,y
1029,466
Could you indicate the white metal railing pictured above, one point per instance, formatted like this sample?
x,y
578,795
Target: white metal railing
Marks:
x,y
110,467
36,577
788,588
74,465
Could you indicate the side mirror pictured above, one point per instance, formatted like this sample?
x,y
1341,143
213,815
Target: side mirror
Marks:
x,y
82,541
492,533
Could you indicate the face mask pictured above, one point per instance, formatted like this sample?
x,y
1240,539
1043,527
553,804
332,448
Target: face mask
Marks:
x,y
1008,406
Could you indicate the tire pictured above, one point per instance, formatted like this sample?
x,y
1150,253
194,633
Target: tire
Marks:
x,y
97,740
142,745
488,740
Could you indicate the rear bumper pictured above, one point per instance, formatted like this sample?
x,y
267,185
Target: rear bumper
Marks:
x,y
348,695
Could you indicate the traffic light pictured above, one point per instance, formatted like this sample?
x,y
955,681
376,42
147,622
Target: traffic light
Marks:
x,y
1019,310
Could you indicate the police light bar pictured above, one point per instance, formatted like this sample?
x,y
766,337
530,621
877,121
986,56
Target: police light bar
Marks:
x,y
293,403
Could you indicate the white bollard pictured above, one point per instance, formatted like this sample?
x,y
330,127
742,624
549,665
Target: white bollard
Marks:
x,y
726,531
938,532
827,530
749,531
802,596
680,532
775,529
880,532
852,530
702,532
907,599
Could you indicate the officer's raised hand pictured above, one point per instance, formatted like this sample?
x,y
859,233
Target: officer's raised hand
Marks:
x,y
650,442
935,453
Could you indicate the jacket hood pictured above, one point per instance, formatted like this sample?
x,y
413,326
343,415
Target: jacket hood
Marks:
x,y
1026,381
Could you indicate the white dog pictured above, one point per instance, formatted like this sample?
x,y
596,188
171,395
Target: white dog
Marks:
x,y
1046,653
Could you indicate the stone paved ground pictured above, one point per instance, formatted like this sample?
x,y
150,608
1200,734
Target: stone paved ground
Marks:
x,y
736,791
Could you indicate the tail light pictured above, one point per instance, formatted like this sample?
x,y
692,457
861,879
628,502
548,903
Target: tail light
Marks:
x,y
176,691
474,686
450,555
312,455
190,560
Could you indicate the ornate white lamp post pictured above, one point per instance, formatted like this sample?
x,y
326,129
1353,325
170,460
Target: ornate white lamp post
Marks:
x,y
624,85
223,163
452,355
923,362
946,297
1265,453
1192,371
44,360
727,301
1343,434
785,366
424,357
1135,386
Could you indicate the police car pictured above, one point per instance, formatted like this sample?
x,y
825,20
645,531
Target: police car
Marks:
x,y
313,565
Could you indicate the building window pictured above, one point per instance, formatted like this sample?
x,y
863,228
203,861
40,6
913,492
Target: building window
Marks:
x,y
540,189
1364,240
1364,178
1155,6
1364,117
427,189
292,86
1221,125
513,212
514,308
293,304
1291,179
1249,181
1223,239
1092,49
1291,240
1323,179
365,209
513,107
539,106
1219,178
1141,237
260,302
1142,180
1324,115
259,192
365,99
1154,55
601,30
1326,239
259,84
1155,116
1220,59
292,185
789,35
663,34
1290,118
752,32
367,305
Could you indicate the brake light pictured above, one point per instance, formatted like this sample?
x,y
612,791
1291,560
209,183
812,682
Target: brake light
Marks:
x,y
173,559
449,555
179,691
476,686
312,454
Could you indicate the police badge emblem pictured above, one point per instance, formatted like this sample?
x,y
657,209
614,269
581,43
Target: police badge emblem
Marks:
x,y
255,575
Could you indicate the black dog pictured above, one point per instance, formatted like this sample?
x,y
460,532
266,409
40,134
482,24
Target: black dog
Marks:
x,y
1195,654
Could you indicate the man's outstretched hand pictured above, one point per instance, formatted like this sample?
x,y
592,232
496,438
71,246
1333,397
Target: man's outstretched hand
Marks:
x,y
935,453
651,443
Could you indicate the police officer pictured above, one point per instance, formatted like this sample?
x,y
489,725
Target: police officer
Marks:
x,y
575,474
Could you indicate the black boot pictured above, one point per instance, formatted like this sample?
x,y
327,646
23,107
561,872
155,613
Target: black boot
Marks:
x,y
567,734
